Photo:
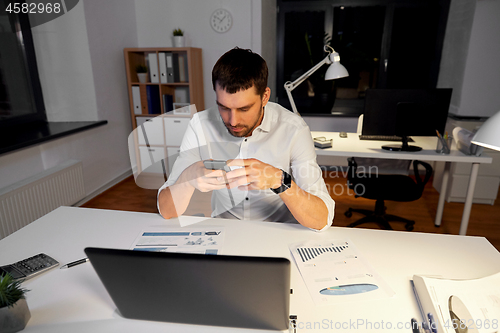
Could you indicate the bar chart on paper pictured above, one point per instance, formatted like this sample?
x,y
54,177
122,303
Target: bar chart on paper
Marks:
x,y
309,253
335,272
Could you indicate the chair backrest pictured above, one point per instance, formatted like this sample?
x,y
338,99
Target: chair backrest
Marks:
x,y
382,166
360,169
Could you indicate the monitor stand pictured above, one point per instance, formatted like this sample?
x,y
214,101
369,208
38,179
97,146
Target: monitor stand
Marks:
x,y
404,147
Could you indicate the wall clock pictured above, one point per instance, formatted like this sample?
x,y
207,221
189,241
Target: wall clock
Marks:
x,y
221,20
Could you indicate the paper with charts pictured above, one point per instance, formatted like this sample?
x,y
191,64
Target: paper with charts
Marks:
x,y
203,240
335,272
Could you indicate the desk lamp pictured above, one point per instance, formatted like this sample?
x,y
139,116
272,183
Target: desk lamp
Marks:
x,y
335,71
489,134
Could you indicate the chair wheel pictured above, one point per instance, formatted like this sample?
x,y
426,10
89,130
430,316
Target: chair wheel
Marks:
x,y
409,226
348,213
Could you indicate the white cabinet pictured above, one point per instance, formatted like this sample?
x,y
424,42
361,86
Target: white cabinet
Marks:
x,y
159,139
150,131
488,179
151,159
175,128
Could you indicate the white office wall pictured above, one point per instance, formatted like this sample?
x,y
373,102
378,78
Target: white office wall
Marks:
x,y
157,18
469,62
83,78
269,42
480,91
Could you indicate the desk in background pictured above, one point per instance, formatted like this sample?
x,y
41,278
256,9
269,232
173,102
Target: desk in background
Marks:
x,y
352,146
74,300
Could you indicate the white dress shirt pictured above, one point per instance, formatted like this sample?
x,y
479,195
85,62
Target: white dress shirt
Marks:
x,y
282,140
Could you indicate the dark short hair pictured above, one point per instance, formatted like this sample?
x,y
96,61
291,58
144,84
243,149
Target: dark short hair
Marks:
x,y
240,69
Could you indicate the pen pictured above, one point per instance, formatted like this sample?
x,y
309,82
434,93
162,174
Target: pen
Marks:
x,y
414,326
439,135
432,323
425,326
74,263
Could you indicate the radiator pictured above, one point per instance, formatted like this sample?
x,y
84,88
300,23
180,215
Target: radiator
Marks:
x,y
30,199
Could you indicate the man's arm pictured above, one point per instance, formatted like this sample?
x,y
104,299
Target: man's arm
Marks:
x,y
308,209
174,199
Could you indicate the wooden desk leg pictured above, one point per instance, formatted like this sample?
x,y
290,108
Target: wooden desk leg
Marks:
x,y
442,194
468,199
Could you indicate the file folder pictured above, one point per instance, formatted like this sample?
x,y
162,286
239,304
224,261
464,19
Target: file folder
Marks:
x,y
175,65
183,68
163,67
144,99
136,99
168,103
153,99
153,68
170,68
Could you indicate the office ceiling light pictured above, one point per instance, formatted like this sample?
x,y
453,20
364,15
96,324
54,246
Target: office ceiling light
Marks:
x,y
335,71
489,134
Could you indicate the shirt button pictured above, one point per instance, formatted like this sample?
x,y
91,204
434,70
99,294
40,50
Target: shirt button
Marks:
x,y
246,140
247,199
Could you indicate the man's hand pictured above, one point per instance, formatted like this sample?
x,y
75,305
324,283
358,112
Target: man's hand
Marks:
x,y
203,179
254,175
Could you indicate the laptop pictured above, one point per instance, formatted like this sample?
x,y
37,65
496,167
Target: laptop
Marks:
x,y
218,290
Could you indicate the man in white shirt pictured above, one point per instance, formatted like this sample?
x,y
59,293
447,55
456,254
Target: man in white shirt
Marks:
x,y
274,174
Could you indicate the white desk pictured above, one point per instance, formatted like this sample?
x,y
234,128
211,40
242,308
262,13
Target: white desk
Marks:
x,y
353,147
74,300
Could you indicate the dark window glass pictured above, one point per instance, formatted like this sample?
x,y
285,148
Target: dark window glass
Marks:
x,y
382,44
20,92
304,40
357,37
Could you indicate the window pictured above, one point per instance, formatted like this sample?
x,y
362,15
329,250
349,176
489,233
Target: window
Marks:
x,y
382,44
20,92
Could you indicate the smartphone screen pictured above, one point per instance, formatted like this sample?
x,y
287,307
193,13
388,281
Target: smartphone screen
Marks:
x,y
216,165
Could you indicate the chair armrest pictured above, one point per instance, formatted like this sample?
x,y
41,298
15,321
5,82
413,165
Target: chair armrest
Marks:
x,y
428,172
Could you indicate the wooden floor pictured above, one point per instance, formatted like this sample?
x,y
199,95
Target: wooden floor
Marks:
x,y
484,219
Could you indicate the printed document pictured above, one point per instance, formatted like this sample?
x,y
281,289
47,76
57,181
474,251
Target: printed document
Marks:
x,y
203,240
335,272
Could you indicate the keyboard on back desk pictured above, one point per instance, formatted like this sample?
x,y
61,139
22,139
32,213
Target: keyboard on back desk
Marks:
x,y
382,138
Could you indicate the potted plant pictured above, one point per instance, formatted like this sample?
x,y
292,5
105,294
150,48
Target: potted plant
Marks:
x,y
14,312
142,73
178,38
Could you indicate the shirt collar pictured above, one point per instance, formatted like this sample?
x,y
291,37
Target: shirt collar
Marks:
x,y
267,120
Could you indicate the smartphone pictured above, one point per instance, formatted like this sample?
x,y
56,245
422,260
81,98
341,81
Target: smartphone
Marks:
x,y
216,165
220,165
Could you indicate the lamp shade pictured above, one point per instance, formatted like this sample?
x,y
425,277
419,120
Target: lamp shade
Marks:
x,y
489,134
336,70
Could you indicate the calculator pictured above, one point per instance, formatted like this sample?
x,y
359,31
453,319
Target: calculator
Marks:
x,y
30,267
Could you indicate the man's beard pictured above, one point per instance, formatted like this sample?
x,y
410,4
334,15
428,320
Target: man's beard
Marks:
x,y
245,128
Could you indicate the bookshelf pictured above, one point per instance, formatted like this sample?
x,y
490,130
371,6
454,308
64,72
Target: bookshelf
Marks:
x,y
174,80
186,81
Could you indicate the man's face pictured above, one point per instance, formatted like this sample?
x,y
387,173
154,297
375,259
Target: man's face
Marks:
x,y
243,111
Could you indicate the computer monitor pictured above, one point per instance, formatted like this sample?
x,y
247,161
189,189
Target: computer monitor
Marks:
x,y
405,112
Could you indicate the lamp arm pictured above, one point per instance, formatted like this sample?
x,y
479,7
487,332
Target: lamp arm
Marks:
x,y
292,85
289,86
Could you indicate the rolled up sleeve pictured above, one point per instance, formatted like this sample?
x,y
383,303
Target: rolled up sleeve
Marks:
x,y
307,174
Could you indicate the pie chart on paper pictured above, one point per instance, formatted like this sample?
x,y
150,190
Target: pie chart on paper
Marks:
x,y
348,289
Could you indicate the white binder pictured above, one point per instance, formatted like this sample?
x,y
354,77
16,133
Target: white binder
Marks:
x,y
153,68
136,99
163,67
170,67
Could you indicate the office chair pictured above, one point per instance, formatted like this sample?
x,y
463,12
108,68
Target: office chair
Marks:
x,y
381,187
